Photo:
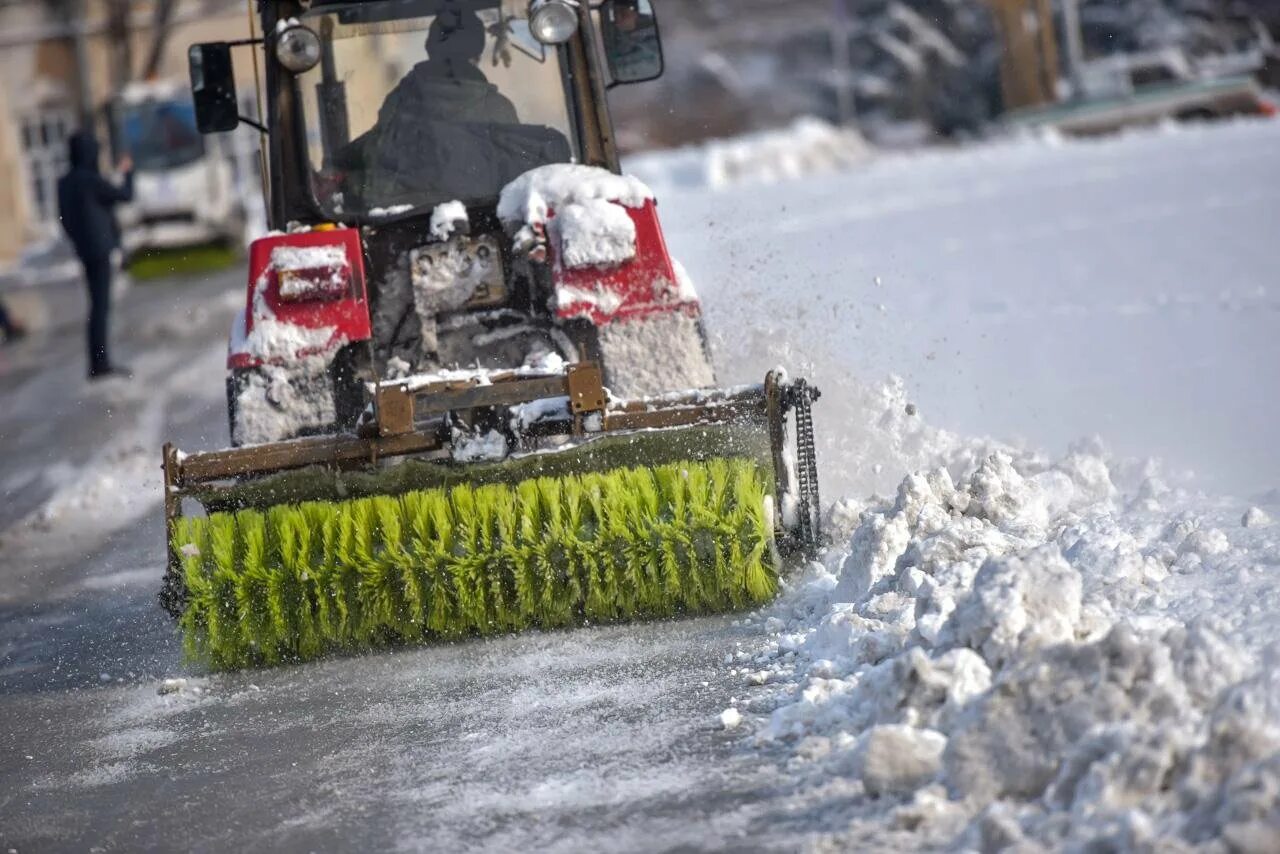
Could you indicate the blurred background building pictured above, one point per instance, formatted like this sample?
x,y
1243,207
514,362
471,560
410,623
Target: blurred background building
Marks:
x,y
63,62
901,71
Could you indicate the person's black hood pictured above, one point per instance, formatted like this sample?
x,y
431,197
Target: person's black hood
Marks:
x,y
82,149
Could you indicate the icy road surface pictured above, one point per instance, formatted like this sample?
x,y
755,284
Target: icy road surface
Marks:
x,y
1124,288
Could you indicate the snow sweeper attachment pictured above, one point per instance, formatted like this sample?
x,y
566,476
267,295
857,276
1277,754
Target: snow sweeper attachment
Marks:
x,y
476,503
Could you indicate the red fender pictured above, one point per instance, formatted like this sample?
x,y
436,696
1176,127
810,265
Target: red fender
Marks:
x,y
298,291
643,286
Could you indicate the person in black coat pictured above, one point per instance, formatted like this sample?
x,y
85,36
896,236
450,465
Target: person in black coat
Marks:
x,y
85,200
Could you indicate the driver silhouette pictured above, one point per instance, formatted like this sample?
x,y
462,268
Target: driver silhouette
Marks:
x,y
445,131
448,86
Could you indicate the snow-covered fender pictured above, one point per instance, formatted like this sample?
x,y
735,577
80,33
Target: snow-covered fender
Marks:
x,y
647,284
306,297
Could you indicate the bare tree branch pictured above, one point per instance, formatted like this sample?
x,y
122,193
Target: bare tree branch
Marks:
x,y
161,26
120,43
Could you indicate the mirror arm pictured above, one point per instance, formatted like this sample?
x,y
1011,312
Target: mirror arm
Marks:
x,y
253,123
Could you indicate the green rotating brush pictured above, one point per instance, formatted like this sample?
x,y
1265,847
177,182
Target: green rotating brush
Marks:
x,y
297,582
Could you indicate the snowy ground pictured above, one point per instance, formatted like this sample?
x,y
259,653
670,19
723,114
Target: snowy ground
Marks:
x,y
1045,644
1124,287
1063,647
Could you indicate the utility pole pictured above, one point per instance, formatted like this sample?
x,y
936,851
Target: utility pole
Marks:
x,y
1029,52
841,70
1075,46
75,14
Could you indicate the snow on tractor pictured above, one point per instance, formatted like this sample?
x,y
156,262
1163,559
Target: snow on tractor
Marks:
x,y
470,390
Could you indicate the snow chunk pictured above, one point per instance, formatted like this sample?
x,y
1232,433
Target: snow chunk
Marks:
x,y
394,210
896,758
290,258
471,448
1010,744
730,718
603,299
527,199
595,233
1018,601
449,218
172,686
1255,517
525,415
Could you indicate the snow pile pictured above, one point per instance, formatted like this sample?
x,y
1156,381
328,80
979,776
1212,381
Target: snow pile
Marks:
x,y
115,486
1001,652
584,208
809,146
274,340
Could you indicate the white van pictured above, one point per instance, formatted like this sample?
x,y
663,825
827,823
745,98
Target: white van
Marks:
x,y
184,184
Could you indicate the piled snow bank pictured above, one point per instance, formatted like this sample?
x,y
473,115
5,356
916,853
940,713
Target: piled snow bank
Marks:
x,y
807,147
1009,654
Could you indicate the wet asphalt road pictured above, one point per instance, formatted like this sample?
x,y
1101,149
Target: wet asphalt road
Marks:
x,y
595,739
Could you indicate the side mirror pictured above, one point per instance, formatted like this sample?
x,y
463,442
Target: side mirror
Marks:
x,y
632,46
213,87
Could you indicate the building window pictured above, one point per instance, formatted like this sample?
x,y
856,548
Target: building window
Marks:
x,y
44,145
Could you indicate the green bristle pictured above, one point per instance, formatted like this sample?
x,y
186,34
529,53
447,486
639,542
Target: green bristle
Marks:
x,y
296,582
506,558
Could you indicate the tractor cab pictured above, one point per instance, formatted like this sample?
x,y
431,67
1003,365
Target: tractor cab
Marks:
x,y
402,113
381,108
395,132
